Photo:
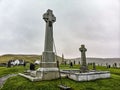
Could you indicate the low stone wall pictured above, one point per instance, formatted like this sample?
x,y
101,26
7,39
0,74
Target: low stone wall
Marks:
x,y
41,74
93,75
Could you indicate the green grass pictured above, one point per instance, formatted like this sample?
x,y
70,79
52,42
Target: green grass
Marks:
x,y
13,70
5,71
20,83
112,70
68,67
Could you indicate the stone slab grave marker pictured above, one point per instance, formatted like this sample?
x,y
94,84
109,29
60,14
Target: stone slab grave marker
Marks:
x,y
49,69
83,67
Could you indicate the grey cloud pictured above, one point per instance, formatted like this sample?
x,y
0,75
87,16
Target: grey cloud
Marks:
x,y
91,22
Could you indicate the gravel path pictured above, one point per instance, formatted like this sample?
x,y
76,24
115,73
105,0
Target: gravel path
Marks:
x,y
4,78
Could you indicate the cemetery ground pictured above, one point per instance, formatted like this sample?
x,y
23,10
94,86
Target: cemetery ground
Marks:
x,y
21,83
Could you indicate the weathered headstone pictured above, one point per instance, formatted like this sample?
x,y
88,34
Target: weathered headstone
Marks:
x,y
32,66
83,67
115,65
94,66
49,69
65,62
109,66
74,62
24,64
71,64
57,63
62,59
9,63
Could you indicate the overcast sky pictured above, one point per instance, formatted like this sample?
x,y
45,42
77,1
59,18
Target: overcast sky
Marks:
x,y
95,23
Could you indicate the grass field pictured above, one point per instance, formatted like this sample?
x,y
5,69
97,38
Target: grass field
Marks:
x,y
20,83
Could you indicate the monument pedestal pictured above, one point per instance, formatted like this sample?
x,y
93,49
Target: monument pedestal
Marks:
x,y
87,76
84,69
48,73
48,67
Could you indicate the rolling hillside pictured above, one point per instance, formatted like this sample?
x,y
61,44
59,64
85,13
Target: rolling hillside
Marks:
x,y
30,58
98,61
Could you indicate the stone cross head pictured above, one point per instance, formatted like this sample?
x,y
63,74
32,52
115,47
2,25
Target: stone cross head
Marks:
x,y
49,17
83,49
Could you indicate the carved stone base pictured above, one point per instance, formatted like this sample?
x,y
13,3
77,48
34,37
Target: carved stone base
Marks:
x,y
48,64
89,76
48,73
84,69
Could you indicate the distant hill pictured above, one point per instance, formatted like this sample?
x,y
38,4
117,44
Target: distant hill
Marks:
x,y
98,61
30,58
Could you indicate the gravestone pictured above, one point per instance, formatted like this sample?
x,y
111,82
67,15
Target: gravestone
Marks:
x,y
63,61
83,67
9,63
94,66
24,64
32,66
57,63
71,64
109,66
49,69
74,62
115,65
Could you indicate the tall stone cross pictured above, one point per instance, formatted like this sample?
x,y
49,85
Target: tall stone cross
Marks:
x,y
49,69
84,67
49,19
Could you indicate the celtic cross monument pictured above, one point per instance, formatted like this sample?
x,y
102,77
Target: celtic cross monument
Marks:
x,y
84,67
48,67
